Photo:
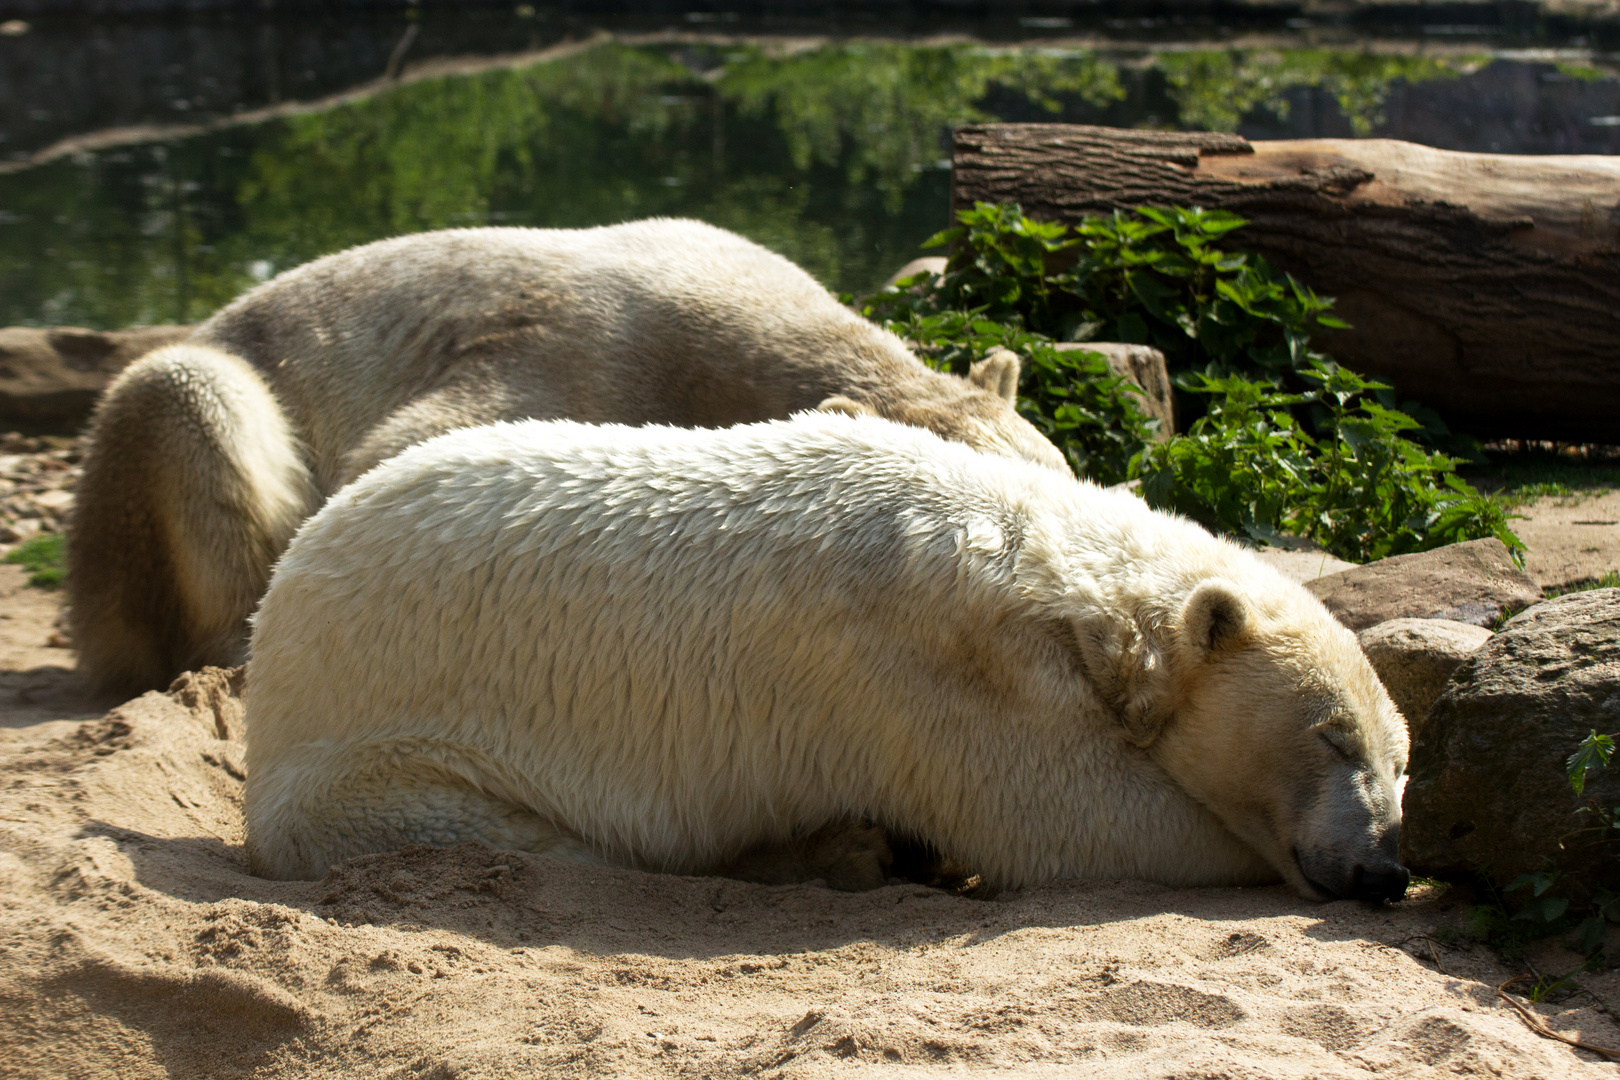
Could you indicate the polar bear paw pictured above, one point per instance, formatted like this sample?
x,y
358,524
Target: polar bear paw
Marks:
x,y
849,854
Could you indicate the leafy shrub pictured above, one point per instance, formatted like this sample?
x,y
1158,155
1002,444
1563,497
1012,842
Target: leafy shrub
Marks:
x,y
1328,457
1359,488
1539,904
1546,906
1071,396
43,557
1151,278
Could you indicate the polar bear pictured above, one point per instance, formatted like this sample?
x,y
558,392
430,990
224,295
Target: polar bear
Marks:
x,y
205,456
664,648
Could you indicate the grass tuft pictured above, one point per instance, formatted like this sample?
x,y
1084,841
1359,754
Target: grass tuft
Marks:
x,y
44,557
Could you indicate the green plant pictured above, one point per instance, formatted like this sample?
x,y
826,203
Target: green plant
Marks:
x,y
1329,457
1594,752
1070,396
43,558
1611,580
1358,487
1547,909
1156,277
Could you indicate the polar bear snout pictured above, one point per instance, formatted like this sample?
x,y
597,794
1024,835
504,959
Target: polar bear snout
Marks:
x,y
1380,883
1373,875
1348,840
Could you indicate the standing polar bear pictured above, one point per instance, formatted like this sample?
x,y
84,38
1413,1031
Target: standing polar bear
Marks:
x,y
664,648
205,457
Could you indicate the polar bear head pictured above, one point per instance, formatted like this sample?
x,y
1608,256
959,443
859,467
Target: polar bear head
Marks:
x,y
1263,707
978,410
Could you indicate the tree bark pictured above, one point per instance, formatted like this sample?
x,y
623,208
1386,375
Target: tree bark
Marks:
x,y
1484,285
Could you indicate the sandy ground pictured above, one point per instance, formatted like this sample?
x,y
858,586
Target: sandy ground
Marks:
x,y
134,943
1571,539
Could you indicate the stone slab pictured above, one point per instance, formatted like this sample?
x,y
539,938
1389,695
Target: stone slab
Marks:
x,y
1473,582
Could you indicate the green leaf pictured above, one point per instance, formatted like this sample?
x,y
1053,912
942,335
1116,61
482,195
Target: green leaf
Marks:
x,y
1593,753
1338,462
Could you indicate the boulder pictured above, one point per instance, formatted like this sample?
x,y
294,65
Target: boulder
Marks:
x,y
1143,367
1415,658
1488,792
1473,582
934,264
52,377
1300,560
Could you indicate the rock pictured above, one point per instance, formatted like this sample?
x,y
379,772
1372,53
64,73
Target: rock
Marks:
x,y
53,376
18,530
37,477
56,501
934,264
1143,367
1307,562
1415,658
1488,792
1473,582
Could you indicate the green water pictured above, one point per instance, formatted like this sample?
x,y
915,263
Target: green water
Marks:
x,y
835,156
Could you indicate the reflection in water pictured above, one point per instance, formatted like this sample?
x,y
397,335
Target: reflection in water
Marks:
x,y
833,155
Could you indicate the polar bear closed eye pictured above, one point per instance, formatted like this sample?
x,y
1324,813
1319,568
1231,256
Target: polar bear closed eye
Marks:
x,y
204,457
664,648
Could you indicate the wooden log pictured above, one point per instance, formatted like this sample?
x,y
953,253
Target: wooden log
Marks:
x,y
50,378
1485,285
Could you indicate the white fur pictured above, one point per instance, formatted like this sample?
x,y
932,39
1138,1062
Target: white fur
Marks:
x,y
342,363
661,647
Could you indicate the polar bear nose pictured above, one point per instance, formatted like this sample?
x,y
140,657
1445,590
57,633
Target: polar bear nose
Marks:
x,y
1386,882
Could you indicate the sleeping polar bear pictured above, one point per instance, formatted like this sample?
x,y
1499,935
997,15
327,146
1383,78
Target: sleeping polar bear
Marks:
x,y
662,648
204,457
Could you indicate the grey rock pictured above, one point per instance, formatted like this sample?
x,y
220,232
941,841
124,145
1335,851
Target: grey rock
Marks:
x,y
934,264
1415,658
1303,563
1488,792
1473,582
54,376
1144,368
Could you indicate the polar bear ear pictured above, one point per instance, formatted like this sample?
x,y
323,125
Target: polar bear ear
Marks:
x,y
1216,617
997,373
838,403
1128,673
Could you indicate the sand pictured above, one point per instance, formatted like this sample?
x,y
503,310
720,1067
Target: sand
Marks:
x,y
1572,539
134,943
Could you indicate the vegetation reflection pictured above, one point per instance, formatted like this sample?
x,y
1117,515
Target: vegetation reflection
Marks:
x,y
833,156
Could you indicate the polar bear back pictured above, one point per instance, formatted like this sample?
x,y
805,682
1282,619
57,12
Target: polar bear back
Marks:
x,y
677,642
658,321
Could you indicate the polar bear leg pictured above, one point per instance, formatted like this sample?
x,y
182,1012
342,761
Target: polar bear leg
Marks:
x,y
193,483
849,854
306,817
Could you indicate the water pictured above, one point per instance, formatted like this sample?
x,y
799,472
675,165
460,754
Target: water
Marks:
x,y
149,171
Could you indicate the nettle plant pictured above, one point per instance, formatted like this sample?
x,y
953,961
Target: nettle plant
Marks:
x,y
1541,904
1601,825
1287,443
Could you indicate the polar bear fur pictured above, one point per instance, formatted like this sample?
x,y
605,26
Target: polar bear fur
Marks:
x,y
662,648
205,456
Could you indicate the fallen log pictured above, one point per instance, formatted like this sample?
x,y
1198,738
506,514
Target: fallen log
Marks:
x,y
1484,285
51,378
